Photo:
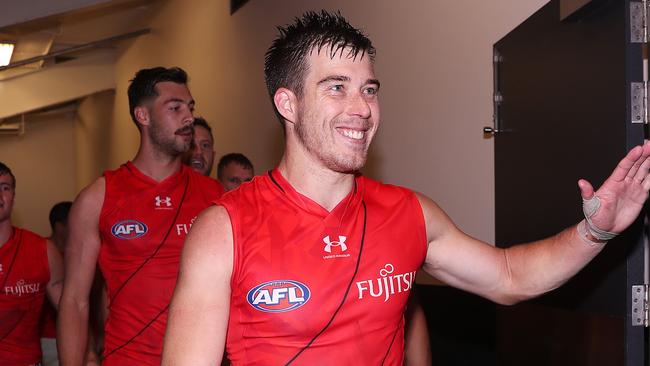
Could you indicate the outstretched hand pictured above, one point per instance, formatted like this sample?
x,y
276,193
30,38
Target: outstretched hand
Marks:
x,y
623,194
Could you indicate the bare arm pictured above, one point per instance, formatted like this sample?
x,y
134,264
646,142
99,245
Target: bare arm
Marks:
x,y
55,284
524,271
81,254
198,314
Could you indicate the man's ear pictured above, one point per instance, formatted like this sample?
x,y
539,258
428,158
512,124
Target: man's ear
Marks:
x,y
286,103
141,114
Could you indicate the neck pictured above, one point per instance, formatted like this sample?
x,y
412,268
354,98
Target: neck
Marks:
x,y
155,163
5,231
313,180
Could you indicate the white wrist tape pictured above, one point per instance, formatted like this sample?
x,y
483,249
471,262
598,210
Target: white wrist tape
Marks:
x,y
582,233
589,208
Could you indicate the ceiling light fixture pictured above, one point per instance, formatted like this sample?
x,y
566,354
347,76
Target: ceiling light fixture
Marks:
x,y
6,49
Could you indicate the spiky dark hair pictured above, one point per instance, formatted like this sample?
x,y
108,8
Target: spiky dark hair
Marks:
x,y
285,64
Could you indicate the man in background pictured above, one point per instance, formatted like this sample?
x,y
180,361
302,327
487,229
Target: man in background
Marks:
x,y
233,170
30,268
132,221
200,157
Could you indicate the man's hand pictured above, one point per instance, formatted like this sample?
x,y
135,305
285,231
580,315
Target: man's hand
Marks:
x,y
623,194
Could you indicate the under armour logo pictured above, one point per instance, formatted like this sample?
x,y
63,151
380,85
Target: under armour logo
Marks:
x,y
167,201
340,243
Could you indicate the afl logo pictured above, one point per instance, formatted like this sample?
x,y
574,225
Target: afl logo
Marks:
x,y
129,229
278,296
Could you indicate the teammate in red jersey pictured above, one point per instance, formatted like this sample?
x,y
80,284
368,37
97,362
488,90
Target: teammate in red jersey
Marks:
x,y
30,268
319,271
133,222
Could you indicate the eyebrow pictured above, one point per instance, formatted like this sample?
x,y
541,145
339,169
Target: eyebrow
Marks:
x,y
191,103
333,78
373,81
347,79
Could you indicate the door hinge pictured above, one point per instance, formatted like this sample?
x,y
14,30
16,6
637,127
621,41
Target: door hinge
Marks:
x,y
639,102
639,21
640,305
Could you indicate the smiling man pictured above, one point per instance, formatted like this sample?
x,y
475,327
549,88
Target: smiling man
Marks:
x,y
132,222
313,263
200,156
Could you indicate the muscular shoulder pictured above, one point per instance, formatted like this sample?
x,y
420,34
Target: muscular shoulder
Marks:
x,y
438,224
90,199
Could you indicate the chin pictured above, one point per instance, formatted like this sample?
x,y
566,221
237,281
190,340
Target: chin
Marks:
x,y
348,166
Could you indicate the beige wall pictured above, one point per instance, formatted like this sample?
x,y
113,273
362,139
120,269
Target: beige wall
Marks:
x,y
94,118
43,161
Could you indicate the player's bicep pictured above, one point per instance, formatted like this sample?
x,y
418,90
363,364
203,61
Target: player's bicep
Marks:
x,y
198,313
82,246
458,259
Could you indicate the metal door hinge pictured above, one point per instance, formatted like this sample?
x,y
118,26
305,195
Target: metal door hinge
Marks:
x,y
640,305
639,102
639,21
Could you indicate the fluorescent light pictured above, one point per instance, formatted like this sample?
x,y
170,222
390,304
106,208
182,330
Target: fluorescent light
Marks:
x,y
6,49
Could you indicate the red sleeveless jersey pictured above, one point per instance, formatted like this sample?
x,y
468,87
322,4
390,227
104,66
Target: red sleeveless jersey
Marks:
x,y
319,287
143,224
24,274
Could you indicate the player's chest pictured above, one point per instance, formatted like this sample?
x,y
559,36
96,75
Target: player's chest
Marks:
x,y
311,266
21,275
138,221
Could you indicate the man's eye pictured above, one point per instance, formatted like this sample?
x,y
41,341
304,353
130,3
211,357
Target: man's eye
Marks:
x,y
336,87
371,91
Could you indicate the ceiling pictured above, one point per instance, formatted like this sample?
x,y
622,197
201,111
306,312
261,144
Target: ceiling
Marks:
x,y
56,32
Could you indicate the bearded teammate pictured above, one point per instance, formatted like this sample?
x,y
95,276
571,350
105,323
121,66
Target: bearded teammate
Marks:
x,y
312,263
30,268
133,222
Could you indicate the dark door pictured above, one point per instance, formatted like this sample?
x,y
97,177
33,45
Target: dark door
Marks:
x,y
565,114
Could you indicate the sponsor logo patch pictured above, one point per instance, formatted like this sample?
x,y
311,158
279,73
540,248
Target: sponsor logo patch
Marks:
x,y
278,296
22,288
387,284
129,229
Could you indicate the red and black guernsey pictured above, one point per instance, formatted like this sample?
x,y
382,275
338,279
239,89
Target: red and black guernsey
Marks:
x,y
24,274
314,287
143,225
